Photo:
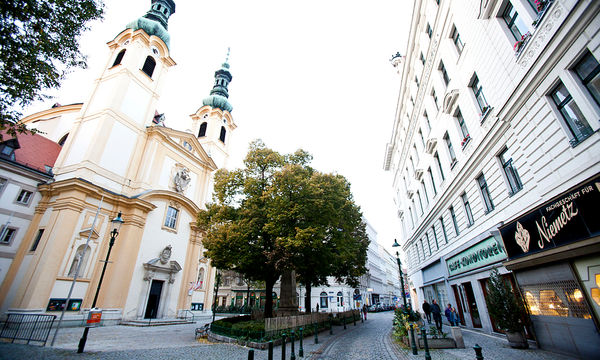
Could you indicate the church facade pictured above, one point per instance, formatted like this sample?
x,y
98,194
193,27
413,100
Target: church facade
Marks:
x,y
117,157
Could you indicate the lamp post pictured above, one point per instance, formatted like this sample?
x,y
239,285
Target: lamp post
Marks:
x,y
401,275
116,224
217,283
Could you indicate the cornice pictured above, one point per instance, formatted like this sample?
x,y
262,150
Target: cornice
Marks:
x,y
165,134
52,112
170,195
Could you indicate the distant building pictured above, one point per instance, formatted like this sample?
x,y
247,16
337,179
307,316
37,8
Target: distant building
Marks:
x,y
496,130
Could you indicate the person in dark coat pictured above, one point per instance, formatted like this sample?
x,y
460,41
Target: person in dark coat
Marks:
x,y
437,315
450,315
427,311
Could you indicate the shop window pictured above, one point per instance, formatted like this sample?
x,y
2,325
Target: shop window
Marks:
x,y
81,257
510,173
560,298
7,235
197,306
577,126
149,66
588,71
324,300
171,217
37,239
485,194
59,304
119,58
468,212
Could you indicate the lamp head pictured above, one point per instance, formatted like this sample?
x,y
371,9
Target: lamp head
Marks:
x,y
395,243
117,222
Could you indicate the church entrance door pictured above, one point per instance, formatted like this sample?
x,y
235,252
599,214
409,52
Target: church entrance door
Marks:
x,y
154,299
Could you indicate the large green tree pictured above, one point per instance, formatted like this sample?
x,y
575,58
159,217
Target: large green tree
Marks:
x,y
39,43
279,214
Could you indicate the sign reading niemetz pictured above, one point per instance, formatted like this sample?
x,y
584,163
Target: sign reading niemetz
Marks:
x,y
570,217
481,254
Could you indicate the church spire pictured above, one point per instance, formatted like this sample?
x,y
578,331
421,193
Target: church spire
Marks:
x,y
156,20
219,93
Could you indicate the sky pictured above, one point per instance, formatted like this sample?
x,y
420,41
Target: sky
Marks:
x,y
307,74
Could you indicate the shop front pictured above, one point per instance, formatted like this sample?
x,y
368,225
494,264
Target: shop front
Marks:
x,y
554,252
434,284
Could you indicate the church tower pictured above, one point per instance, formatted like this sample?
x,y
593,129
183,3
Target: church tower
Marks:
x,y
213,123
103,146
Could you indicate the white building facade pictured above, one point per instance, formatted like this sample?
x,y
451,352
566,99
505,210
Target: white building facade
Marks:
x,y
498,114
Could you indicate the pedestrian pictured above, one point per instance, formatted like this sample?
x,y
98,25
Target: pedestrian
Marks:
x,y
427,311
449,314
455,316
364,310
436,312
317,307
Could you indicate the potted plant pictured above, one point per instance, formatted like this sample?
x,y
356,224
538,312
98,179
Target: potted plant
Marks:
x,y
507,309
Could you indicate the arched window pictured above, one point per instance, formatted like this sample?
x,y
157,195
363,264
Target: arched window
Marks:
x,y
81,256
222,136
323,300
340,299
63,139
149,66
202,131
119,58
200,282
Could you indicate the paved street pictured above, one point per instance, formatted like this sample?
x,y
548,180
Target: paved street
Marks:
x,y
370,340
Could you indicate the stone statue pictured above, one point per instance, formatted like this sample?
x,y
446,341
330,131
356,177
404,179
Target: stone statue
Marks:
x,y
165,255
182,179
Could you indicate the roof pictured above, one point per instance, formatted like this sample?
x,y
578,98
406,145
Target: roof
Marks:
x,y
33,150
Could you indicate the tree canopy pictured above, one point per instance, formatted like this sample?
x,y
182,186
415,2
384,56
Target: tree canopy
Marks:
x,y
279,214
39,43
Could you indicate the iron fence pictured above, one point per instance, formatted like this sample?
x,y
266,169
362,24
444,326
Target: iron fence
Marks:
x,y
28,327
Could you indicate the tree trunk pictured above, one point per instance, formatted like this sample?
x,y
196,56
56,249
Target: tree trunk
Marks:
x,y
269,298
307,302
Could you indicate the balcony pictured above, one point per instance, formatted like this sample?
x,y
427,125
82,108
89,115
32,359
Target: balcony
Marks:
x,y
430,145
418,174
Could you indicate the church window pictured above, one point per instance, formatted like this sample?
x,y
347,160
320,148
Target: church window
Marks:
x,y
149,66
202,131
171,218
81,256
63,139
119,58
222,136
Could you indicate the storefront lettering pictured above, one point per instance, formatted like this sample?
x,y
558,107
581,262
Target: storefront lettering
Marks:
x,y
549,231
474,257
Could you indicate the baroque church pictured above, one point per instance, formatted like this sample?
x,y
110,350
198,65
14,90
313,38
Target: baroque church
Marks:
x,y
117,158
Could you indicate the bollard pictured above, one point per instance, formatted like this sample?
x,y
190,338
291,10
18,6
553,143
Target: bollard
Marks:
x,y
293,356
301,350
412,336
362,319
316,333
478,355
251,354
283,336
424,335
344,321
331,325
354,317
270,351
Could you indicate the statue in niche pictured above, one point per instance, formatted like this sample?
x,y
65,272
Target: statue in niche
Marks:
x,y
165,255
182,179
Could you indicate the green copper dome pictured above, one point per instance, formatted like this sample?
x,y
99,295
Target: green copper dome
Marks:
x,y
156,20
219,93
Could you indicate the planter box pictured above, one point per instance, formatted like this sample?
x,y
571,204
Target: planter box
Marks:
x,y
440,343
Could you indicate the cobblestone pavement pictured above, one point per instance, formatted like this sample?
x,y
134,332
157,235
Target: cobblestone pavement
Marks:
x,y
370,340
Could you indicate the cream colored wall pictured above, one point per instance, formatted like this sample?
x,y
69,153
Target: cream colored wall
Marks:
x,y
54,123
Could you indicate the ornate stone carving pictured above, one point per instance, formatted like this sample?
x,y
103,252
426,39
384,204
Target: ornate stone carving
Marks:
x,y
556,14
149,275
182,178
165,254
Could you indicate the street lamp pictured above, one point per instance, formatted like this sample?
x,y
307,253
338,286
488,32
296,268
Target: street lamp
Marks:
x,y
116,224
401,275
217,283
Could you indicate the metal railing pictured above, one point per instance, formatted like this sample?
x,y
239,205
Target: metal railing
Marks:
x,y
183,314
28,327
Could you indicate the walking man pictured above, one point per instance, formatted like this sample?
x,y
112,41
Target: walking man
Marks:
x,y
427,311
437,315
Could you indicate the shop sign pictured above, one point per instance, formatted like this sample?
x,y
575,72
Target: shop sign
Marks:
x,y
486,252
567,218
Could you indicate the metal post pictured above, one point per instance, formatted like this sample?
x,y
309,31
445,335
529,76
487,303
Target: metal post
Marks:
x,y
424,335
478,355
270,351
331,325
292,338
401,280
217,283
283,336
344,321
412,336
354,317
251,354
316,333
301,350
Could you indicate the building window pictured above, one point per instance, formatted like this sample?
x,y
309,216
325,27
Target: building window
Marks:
x,y
412,219
457,40
200,281
578,127
149,66
63,139
439,164
340,299
202,131
588,70
417,81
437,245
427,121
425,191
7,235
450,149
444,72
323,300
512,177
435,99
432,181
454,222
468,212
24,197
119,58
463,126
422,58
444,229
37,239
422,138
428,244
222,135
478,92
81,257
429,31
171,218
538,5
7,150
420,202
422,248
515,23
416,153
485,194
417,251
3,183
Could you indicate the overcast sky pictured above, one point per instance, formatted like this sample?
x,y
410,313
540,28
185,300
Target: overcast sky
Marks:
x,y
306,74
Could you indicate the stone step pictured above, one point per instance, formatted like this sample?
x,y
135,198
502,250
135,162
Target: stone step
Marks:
x,y
156,322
